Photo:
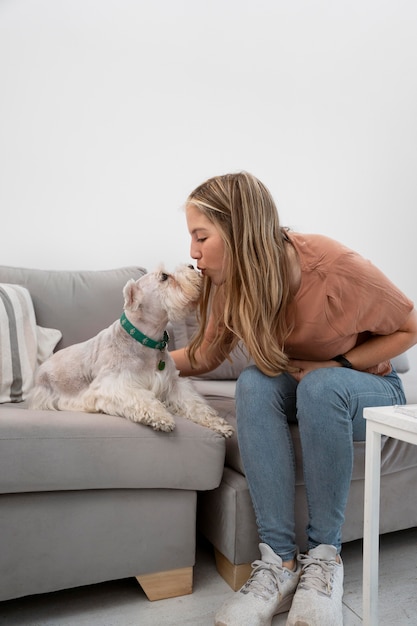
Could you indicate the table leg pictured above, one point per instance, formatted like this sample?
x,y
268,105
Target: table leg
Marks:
x,y
371,526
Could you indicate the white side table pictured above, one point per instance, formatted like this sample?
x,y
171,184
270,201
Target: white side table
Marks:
x,y
399,422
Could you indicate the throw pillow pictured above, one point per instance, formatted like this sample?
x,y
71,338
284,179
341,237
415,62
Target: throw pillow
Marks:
x,y
47,341
18,343
23,344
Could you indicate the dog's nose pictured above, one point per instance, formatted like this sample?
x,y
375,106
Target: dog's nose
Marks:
x,y
191,267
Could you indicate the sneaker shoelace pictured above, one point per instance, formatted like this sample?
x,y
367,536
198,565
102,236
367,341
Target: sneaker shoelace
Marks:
x,y
264,580
317,574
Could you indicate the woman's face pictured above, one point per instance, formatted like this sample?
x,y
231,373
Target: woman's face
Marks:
x,y
207,245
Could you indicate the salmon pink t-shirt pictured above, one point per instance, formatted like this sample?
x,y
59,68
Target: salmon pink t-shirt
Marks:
x,y
342,300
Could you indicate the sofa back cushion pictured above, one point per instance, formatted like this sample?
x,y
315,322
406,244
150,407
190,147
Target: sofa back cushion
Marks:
x,y
78,303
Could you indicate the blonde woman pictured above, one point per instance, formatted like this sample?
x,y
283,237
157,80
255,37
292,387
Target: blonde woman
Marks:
x,y
321,324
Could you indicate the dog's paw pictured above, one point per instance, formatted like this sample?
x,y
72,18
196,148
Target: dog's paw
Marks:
x,y
223,428
158,422
217,424
163,425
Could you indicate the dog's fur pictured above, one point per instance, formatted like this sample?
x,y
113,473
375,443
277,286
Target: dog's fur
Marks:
x,y
115,374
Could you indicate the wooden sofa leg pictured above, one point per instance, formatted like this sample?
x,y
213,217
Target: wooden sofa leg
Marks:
x,y
169,584
234,575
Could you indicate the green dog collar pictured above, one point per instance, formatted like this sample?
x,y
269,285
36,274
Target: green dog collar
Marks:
x,y
141,338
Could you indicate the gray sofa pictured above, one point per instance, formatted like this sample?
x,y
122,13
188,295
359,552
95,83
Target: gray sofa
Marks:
x,y
87,498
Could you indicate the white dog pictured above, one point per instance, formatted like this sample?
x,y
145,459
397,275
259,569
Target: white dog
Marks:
x,y
126,369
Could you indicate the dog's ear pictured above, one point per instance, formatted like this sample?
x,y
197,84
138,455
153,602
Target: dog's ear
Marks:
x,y
132,295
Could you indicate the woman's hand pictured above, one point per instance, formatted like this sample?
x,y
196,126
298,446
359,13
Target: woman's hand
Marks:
x,y
304,367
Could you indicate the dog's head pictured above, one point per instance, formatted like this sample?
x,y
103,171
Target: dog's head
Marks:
x,y
159,295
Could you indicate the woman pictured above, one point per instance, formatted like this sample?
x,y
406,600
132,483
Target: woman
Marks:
x,y
321,325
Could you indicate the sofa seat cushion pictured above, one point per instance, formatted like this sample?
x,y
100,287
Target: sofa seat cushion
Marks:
x,y
50,451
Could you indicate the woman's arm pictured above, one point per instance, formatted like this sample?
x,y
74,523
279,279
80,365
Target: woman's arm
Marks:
x,y
182,363
377,349
381,348
205,363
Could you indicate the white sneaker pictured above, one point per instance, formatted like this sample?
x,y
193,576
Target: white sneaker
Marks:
x,y
268,591
318,600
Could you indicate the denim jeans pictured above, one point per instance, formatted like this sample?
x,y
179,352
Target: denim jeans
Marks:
x,y
327,404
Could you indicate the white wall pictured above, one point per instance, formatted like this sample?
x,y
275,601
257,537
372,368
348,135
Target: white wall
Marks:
x,y
111,111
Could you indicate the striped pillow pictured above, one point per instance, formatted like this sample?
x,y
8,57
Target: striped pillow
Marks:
x,y
18,343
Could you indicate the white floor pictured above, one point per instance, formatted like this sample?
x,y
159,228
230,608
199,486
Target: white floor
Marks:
x,y
122,603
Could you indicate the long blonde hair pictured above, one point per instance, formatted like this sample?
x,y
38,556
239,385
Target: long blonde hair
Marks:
x,y
250,306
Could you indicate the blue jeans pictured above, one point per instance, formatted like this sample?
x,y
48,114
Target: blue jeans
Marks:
x,y
327,404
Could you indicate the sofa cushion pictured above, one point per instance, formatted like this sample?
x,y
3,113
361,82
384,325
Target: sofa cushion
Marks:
x,y
49,451
78,303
